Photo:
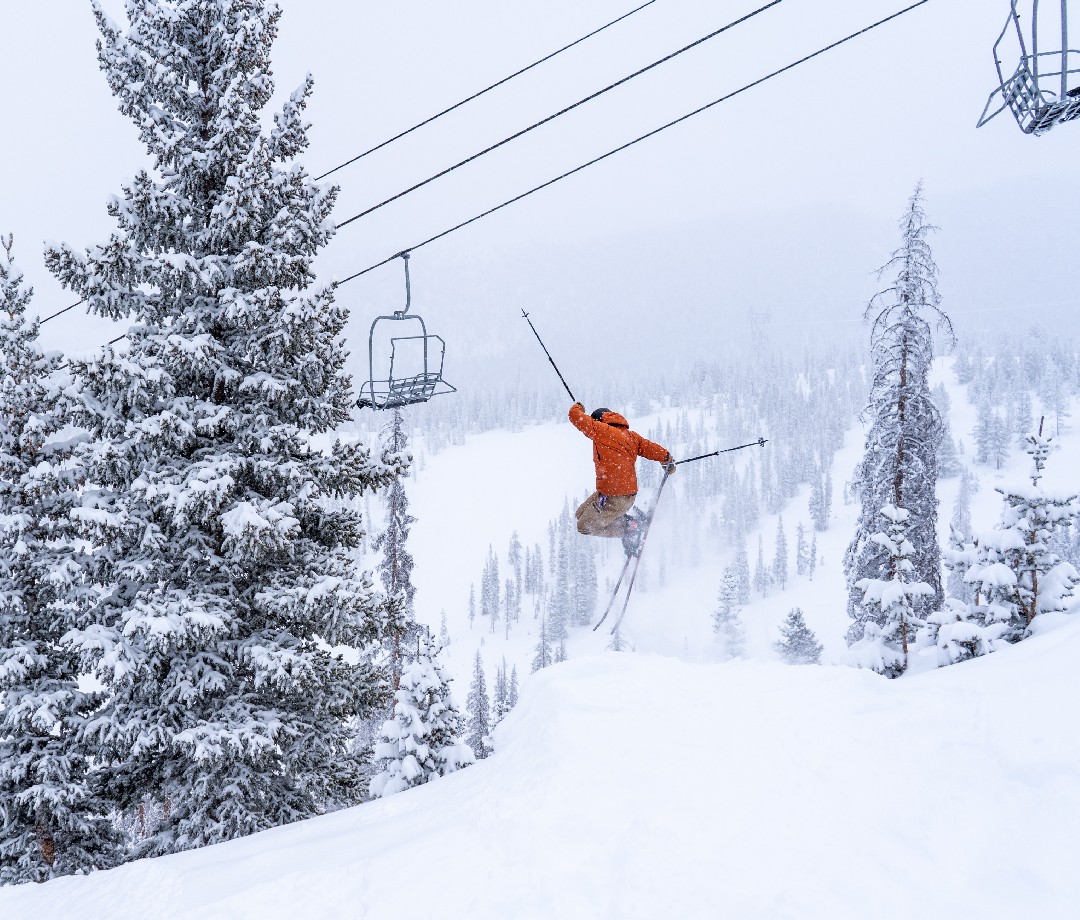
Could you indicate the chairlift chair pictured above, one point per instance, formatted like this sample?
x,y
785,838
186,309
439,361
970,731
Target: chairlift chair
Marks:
x,y
412,373
1044,90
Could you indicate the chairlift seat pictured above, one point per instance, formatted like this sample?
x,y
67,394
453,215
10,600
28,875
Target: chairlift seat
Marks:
x,y
423,377
1044,90
1035,111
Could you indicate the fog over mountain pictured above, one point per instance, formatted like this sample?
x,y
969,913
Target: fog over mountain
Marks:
x,y
782,201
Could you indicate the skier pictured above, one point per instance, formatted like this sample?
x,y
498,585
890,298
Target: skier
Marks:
x,y
609,511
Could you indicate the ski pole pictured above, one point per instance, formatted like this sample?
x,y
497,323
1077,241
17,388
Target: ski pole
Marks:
x,y
760,442
548,353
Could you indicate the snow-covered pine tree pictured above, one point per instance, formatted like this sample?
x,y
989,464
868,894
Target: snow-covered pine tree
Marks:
x,y
489,587
1000,441
542,659
422,741
512,690
52,820
899,465
780,561
223,547
761,574
802,561
742,572
513,559
983,434
888,635
478,709
960,541
819,510
396,567
509,599
798,644
444,631
1015,570
500,702
727,624
559,604
813,556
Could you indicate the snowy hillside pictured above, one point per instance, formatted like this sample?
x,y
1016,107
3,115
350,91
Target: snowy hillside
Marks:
x,y
663,783
641,786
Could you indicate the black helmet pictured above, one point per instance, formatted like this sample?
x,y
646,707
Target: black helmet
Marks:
x,y
598,414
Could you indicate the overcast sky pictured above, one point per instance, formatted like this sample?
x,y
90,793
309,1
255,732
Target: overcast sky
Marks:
x,y
784,198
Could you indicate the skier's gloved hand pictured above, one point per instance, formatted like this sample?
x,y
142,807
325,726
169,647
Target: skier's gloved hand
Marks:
x,y
669,465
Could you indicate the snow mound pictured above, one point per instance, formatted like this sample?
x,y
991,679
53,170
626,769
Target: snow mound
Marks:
x,y
628,786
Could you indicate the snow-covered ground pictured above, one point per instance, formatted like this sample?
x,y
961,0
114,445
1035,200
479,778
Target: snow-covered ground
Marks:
x,y
665,783
640,785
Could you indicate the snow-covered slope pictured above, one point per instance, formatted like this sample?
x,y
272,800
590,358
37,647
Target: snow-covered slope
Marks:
x,y
642,786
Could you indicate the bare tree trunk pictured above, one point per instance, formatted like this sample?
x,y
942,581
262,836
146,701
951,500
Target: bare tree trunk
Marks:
x,y
46,841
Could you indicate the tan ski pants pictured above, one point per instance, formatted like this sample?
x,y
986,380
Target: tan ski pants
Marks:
x,y
604,515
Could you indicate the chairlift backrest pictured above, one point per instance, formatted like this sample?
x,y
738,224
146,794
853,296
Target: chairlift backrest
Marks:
x,y
1044,88
421,377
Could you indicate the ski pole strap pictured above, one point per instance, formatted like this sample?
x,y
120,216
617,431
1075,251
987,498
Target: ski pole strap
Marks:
x,y
760,442
548,353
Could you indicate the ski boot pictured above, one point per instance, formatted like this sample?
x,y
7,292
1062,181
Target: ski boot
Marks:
x,y
632,532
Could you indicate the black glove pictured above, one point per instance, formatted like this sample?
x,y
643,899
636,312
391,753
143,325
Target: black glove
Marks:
x,y
669,465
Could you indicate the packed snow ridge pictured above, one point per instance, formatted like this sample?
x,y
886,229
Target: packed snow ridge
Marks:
x,y
628,786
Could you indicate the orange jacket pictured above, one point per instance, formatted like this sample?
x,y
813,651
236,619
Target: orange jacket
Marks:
x,y
615,450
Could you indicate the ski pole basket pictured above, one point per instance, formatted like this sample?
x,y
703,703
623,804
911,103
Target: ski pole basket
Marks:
x,y
1044,89
413,362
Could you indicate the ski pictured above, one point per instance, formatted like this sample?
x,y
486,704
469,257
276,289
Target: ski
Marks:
x,y
646,525
614,594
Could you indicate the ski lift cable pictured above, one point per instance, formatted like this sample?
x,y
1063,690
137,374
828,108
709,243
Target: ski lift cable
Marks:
x,y
563,111
487,89
446,111
60,312
637,140
610,153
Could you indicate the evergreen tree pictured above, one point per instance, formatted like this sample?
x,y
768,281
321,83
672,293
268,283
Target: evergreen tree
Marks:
x,y
742,572
780,562
798,644
583,585
949,465
444,632
472,603
52,819
727,624
802,560
514,560
509,614
559,607
1000,439
543,647
478,706
899,465
512,690
761,574
560,653
888,636
423,739
984,432
489,588
396,567
813,556
501,697
960,540
1015,569
1024,419
221,518
819,505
